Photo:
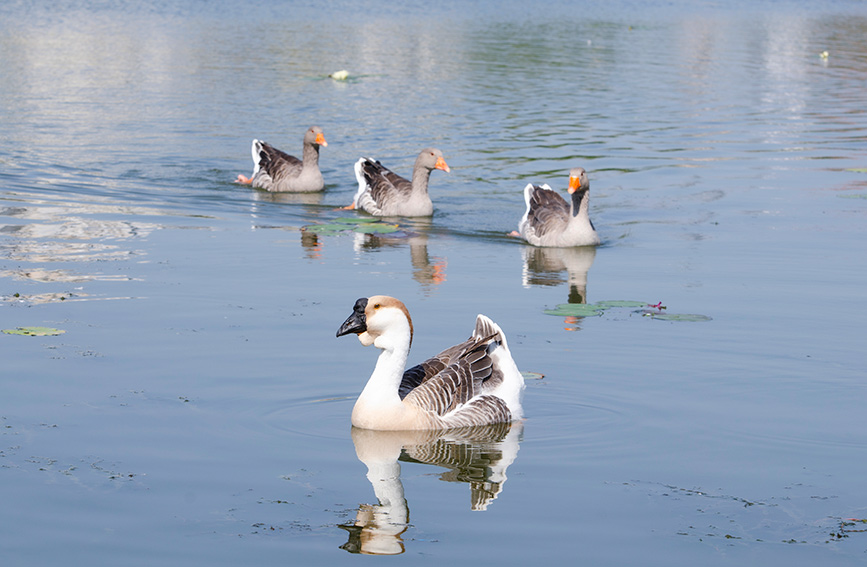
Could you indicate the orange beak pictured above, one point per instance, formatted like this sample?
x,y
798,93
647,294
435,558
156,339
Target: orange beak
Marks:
x,y
574,184
320,139
441,164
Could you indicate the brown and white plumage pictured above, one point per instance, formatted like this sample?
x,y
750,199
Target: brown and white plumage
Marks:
x,y
277,171
381,192
552,221
473,383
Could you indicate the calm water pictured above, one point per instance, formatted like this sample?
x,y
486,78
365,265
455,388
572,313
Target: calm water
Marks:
x,y
196,409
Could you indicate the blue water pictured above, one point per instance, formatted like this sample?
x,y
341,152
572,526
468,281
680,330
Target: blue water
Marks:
x,y
196,408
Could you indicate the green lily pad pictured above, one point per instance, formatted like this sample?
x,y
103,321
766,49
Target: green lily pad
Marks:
x,y
34,331
326,228
532,375
574,310
857,169
376,228
619,303
853,196
686,317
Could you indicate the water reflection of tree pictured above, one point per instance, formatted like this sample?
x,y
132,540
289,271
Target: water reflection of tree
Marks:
x,y
478,456
546,267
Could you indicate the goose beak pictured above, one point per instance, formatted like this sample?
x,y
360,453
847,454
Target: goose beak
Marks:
x,y
355,323
441,164
574,184
320,139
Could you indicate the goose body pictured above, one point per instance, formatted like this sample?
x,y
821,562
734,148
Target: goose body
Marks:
x,y
381,192
277,171
472,383
550,220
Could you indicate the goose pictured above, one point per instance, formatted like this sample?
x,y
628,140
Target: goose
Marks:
x,y
279,172
383,193
472,383
551,221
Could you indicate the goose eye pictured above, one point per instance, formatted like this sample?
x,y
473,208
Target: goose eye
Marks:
x,y
376,306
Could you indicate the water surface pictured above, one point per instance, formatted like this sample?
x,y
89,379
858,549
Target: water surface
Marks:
x,y
196,409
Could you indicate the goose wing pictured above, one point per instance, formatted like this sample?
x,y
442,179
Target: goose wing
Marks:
x,y
421,373
547,211
456,394
382,185
276,163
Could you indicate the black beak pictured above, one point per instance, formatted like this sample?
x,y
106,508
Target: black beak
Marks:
x,y
355,323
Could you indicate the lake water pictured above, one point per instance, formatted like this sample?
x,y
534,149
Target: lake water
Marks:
x,y
196,409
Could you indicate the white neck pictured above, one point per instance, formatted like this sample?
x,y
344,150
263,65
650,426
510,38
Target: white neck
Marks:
x,y
379,402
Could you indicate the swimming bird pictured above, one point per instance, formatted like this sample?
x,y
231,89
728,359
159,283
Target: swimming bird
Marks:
x,y
383,193
475,382
279,172
552,221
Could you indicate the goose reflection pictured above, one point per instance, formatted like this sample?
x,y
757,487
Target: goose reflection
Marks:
x,y
478,456
427,270
314,198
546,267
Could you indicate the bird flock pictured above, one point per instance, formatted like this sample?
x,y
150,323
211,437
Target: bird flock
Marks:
x,y
475,382
549,220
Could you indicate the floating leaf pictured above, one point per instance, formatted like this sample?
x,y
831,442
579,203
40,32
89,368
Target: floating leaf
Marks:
x,y
532,375
619,303
326,228
853,196
686,317
857,169
376,228
574,310
34,331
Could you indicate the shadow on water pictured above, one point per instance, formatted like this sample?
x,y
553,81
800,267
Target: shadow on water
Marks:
x,y
478,456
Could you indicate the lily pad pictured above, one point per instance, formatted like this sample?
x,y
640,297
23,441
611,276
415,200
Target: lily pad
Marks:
x,y
857,169
34,331
619,303
376,228
532,375
686,317
574,310
853,196
333,228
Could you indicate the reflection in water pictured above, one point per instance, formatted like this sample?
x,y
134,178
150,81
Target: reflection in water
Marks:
x,y
478,456
426,270
545,267
314,198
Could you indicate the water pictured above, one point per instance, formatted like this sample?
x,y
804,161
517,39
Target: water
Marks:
x,y
195,411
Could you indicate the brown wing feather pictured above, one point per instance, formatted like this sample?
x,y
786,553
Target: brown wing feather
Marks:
x,y
385,185
457,383
426,370
278,164
548,212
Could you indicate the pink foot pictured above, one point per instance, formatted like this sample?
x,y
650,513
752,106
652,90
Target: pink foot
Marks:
x,y
514,233
244,180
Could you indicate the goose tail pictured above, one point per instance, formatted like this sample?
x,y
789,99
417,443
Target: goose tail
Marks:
x,y
486,328
256,152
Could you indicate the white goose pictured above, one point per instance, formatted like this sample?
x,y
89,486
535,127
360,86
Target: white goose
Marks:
x,y
279,172
473,383
551,221
381,192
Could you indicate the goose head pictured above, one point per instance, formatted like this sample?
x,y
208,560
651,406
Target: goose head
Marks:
x,y
578,180
315,137
432,158
378,320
